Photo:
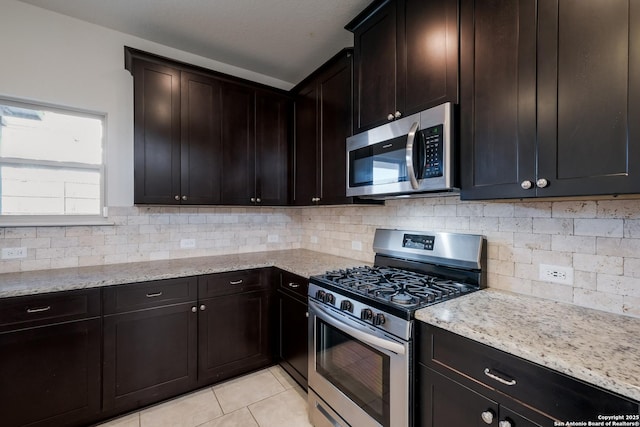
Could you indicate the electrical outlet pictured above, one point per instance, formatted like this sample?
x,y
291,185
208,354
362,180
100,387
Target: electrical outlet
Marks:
x,y
14,253
187,243
314,239
273,238
556,274
356,245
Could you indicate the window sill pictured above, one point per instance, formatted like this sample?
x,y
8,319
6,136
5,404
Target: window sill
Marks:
x,y
54,222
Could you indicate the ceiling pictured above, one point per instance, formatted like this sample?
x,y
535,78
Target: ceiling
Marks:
x,y
283,39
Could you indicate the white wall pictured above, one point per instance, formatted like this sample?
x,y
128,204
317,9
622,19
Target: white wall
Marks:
x,y
54,59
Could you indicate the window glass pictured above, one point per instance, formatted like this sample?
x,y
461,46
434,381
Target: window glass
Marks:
x,y
51,162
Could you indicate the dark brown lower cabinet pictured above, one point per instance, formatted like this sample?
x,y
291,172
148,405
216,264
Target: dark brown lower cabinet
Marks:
x,y
233,335
149,355
150,352
462,383
292,326
50,364
446,403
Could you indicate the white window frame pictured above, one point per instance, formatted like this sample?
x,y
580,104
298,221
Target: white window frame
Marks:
x,y
60,220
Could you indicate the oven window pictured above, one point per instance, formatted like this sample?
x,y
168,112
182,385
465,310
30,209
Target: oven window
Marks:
x,y
358,370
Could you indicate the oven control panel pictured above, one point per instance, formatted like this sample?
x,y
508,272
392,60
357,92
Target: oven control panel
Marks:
x,y
368,315
418,241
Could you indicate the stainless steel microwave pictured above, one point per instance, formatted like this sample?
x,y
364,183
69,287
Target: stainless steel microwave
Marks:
x,y
412,156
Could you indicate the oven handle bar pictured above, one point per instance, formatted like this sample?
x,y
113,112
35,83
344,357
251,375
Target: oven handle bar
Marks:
x,y
356,333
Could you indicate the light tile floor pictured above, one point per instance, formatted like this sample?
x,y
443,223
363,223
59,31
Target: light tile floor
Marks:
x,y
267,398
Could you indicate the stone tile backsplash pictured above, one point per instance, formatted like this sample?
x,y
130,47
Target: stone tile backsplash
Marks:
x,y
598,239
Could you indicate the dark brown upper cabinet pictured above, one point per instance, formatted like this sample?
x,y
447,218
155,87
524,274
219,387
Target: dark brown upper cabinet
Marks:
x,y
205,138
322,125
548,107
405,59
255,127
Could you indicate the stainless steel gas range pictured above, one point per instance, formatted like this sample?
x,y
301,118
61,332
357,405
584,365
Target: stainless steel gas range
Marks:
x,y
361,324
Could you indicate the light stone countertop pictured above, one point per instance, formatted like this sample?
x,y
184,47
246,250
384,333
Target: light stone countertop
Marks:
x,y
599,348
299,261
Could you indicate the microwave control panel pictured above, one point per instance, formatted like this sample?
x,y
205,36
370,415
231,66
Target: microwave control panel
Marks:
x,y
433,141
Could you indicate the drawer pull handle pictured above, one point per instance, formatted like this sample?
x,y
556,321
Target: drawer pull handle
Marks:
x,y
293,285
38,310
493,376
157,294
236,282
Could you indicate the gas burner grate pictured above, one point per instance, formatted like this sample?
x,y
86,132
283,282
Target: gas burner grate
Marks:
x,y
396,286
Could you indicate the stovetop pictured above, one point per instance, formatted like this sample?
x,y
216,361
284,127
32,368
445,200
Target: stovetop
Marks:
x,y
404,288
393,289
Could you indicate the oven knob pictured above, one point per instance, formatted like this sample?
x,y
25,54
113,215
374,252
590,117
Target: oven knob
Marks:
x,y
379,319
346,305
366,314
320,295
329,299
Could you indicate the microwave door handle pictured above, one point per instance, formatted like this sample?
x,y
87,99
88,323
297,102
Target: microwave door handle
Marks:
x,y
409,156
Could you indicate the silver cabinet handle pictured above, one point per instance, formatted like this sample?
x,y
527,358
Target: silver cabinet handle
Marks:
x,y
253,200
293,285
487,417
504,423
542,182
409,156
397,114
184,197
153,295
390,117
194,309
236,282
526,184
493,376
258,200
307,314
176,197
38,310
203,307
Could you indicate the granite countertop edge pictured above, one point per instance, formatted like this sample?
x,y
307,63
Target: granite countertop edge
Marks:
x,y
302,262
599,348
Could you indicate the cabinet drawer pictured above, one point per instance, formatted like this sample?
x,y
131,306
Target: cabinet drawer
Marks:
x,y
292,283
548,391
137,296
230,283
34,310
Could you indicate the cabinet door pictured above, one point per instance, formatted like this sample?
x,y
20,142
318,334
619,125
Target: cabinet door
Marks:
x,y
293,348
517,420
200,160
442,402
156,133
498,98
375,69
589,97
334,90
233,335
272,148
306,146
429,59
238,145
149,355
51,375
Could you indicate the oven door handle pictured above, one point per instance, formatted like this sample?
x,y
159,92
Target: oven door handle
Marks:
x,y
356,333
409,156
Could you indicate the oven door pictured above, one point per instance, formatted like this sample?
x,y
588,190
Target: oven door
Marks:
x,y
360,372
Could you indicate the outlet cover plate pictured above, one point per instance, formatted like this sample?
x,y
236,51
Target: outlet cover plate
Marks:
x,y
556,274
187,243
14,253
